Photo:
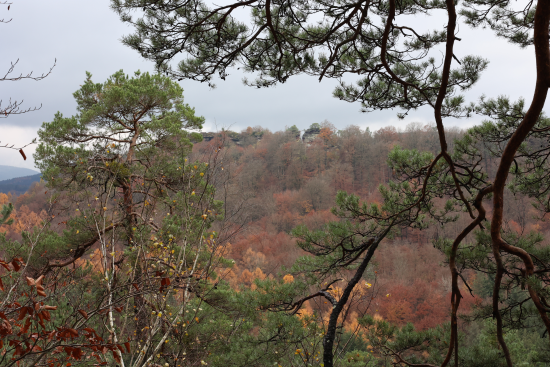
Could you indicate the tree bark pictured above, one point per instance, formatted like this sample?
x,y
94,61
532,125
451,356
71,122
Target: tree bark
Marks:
x,y
328,342
542,56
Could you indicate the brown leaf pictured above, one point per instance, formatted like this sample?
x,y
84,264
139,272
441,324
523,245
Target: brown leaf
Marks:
x,y
23,154
15,265
51,335
1,285
77,353
25,328
116,356
36,348
135,286
127,345
22,313
5,328
83,313
39,280
119,309
30,281
46,314
41,293
50,307
41,320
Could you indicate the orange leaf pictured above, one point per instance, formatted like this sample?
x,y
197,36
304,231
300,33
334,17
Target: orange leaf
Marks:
x,y
30,281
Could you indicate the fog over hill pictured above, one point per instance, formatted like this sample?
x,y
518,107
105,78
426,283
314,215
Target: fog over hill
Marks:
x,y
9,172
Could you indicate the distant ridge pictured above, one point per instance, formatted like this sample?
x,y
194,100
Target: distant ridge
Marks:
x,y
18,186
9,172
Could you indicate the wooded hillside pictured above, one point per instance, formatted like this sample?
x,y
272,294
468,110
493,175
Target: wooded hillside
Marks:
x,y
271,182
288,178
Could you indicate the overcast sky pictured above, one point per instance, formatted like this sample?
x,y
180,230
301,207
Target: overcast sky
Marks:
x,y
85,36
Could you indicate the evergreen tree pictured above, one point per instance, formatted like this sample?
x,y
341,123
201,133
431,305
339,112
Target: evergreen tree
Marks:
x,y
5,213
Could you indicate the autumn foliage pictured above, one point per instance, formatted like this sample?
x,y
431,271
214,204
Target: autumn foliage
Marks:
x,y
269,183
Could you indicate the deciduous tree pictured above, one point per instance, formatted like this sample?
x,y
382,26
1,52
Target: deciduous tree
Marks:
x,y
14,107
